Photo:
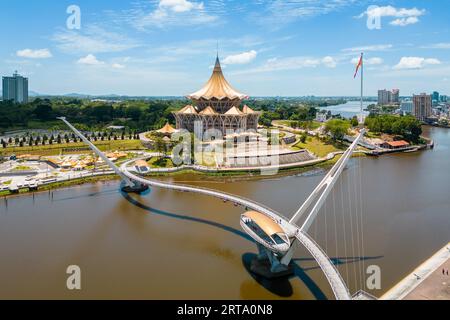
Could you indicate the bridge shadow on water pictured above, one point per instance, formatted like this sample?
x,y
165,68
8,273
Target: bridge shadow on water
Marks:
x,y
282,286
89,195
337,261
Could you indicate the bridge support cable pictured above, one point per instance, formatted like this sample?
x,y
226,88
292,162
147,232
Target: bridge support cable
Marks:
x,y
352,233
335,280
361,221
128,182
333,195
344,233
325,186
325,225
357,214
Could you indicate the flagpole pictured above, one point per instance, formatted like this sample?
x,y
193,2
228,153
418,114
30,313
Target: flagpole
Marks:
x,y
362,86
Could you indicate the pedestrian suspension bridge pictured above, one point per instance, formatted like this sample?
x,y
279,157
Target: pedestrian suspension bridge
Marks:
x,y
308,211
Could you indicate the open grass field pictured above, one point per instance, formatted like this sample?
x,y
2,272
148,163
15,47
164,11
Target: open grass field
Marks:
x,y
72,148
318,147
312,125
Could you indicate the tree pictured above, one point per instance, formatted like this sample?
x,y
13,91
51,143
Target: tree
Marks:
x,y
133,112
337,128
406,126
44,111
303,137
160,145
355,121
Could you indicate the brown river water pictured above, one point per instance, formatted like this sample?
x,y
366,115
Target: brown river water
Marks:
x,y
169,245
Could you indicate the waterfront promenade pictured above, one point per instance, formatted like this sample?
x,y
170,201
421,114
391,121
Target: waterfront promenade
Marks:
x,y
426,282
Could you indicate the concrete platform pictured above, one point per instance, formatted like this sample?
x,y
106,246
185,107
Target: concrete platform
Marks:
x,y
427,282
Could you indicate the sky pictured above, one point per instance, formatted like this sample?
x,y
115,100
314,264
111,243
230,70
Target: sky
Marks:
x,y
267,47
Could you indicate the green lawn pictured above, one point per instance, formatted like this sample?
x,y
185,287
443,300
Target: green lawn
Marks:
x,y
373,135
208,160
312,125
22,168
160,163
55,149
318,147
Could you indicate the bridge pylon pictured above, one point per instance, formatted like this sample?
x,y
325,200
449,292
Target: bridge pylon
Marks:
x,y
129,186
270,265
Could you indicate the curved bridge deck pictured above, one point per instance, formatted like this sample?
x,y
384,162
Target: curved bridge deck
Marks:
x,y
335,280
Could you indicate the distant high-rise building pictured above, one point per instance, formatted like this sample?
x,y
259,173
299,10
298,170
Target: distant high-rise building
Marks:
x,y
395,96
15,88
383,97
386,97
407,106
422,106
443,98
435,96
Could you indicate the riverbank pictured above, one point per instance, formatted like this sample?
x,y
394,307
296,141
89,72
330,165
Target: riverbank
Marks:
x,y
426,282
62,184
250,173
205,174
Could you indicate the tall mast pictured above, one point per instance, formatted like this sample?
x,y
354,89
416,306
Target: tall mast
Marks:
x,y
362,87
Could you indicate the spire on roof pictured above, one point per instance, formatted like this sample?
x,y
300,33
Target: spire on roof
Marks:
x,y
217,55
217,66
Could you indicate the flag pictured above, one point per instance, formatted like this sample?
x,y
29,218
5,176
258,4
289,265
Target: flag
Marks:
x,y
358,66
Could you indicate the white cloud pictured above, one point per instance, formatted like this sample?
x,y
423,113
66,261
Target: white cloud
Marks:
x,y
277,12
403,16
241,58
378,47
442,45
415,63
90,59
167,13
118,66
180,5
291,63
34,54
92,39
401,22
369,61
329,62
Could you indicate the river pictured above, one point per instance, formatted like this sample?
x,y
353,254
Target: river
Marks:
x,y
167,245
349,109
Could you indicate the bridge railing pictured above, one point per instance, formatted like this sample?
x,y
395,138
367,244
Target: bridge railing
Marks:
x,y
188,188
332,274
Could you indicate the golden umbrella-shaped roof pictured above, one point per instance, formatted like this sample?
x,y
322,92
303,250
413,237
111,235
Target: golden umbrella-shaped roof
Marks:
x,y
167,129
217,87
